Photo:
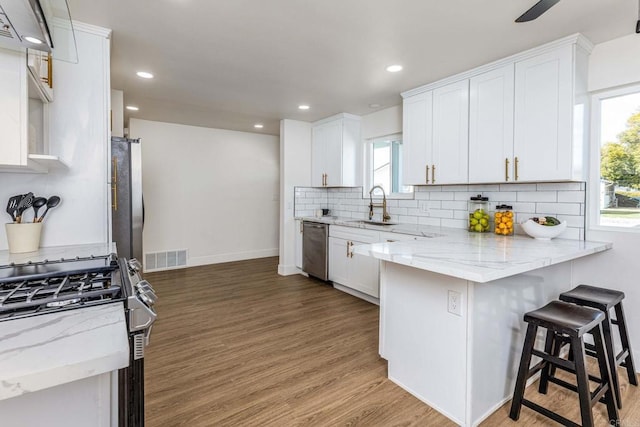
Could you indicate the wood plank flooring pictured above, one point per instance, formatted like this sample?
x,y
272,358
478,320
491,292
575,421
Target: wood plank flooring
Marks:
x,y
238,345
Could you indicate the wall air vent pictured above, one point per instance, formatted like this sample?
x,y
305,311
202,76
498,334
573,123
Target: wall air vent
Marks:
x,y
156,261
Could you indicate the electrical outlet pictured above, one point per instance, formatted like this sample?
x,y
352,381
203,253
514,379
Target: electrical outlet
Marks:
x,y
454,303
424,207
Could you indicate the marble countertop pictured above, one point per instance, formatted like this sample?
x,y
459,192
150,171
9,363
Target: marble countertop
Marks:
x,y
57,252
411,229
480,257
43,351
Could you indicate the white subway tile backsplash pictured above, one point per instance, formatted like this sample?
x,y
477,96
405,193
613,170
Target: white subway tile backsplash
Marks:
x,y
537,196
558,208
518,187
441,195
448,205
459,205
566,186
408,203
571,196
441,213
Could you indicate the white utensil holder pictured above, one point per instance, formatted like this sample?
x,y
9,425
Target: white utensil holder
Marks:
x,y
23,237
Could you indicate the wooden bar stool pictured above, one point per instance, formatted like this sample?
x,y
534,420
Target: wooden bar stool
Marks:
x,y
604,300
571,321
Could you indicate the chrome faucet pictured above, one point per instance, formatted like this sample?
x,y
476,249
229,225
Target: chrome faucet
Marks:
x,y
385,215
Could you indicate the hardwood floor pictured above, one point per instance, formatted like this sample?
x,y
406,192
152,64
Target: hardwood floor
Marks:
x,y
238,345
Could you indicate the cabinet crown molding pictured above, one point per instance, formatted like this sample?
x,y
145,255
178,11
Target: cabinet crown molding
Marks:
x,y
337,117
575,39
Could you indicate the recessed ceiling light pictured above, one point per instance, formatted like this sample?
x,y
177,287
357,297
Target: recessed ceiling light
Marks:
x,y
394,68
33,40
258,126
374,105
132,108
144,74
303,107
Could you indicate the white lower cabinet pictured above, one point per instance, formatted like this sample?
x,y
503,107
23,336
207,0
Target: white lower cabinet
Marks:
x,y
354,271
298,244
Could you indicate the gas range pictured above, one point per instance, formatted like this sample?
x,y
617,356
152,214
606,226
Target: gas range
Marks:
x,y
49,286
43,287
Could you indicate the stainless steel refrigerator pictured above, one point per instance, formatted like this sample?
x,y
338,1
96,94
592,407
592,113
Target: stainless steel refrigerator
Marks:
x,y
127,206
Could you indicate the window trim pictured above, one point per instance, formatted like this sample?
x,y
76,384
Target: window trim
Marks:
x,y
368,165
593,193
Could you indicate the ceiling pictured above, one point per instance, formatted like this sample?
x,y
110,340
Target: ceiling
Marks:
x,y
232,63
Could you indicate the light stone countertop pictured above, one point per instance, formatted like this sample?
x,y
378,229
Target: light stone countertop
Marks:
x,y
480,257
411,229
43,351
57,252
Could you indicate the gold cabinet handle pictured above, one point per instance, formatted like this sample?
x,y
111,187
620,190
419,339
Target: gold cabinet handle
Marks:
x,y
351,252
426,177
114,182
506,169
301,227
516,168
348,249
433,174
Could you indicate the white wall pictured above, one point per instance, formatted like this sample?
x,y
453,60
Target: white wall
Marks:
x,y
79,135
383,122
117,113
295,170
615,63
212,192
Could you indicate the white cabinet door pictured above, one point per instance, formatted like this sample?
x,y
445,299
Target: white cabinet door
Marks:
x,y
543,116
335,150
13,108
298,244
317,156
338,260
363,274
333,161
417,138
450,134
491,126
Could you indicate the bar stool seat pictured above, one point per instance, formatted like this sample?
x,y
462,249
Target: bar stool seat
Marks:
x,y
604,300
562,319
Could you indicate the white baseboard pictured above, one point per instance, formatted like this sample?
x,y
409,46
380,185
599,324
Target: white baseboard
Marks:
x,y
288,270
355,293
230,257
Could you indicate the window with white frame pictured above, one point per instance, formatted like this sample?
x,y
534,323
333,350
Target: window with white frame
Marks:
x,y
616,158
384,165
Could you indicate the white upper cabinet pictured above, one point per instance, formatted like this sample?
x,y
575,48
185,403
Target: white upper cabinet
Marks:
x,y
417,138
491,126
13,108
548,110
24,116
435,135
335,144
522,118
450,134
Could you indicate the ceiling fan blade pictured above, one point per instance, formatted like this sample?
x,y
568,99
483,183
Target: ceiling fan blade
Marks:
x,y
538,9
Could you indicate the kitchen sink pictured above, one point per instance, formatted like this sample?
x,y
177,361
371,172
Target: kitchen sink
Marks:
x,y
373,222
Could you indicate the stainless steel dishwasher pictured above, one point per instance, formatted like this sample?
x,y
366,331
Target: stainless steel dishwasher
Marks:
x,y
315,237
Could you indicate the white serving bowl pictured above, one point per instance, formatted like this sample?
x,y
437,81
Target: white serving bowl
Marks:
x,y
543,232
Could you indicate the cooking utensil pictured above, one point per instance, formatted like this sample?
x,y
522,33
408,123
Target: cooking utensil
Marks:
x,y
12,206
25,203
38,202
52,202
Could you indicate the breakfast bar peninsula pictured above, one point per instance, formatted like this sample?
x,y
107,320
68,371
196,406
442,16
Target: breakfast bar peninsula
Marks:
x,y
451,310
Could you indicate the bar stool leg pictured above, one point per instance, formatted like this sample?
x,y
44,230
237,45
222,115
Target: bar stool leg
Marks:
x,y
608,343
547,370
523,370
583,382
624,339
605,369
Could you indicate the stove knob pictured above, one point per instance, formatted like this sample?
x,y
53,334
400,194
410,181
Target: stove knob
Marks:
x,y
135,265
